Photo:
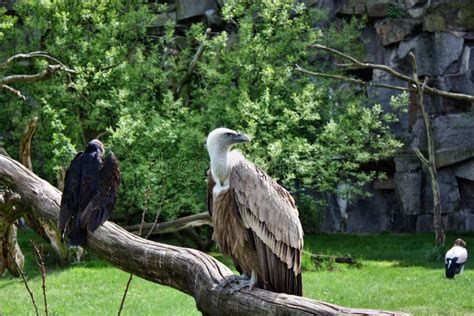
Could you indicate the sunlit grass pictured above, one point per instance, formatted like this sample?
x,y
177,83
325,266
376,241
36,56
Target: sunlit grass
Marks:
x,y
393,274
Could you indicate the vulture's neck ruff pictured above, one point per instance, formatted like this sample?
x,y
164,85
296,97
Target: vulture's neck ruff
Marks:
x,y
219,144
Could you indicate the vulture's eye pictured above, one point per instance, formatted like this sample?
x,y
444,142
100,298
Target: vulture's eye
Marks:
x,y
228,134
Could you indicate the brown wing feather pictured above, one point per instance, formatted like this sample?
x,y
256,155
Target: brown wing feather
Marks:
x,y
269,211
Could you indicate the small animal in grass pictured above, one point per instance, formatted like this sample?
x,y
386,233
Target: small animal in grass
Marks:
x,y
255,220
455,259
90,188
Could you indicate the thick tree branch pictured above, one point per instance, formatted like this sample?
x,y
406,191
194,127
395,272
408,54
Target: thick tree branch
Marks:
x,y
358,64
187,270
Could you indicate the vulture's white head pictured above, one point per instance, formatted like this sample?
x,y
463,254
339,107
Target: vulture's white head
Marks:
x,y
219,143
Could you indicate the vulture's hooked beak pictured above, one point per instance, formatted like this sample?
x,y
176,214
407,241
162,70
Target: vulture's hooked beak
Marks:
x,y
241,138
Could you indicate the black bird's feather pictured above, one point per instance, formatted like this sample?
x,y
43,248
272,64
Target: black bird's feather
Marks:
x,y
90,187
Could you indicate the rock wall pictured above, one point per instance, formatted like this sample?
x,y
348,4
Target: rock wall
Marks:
x,y
441,34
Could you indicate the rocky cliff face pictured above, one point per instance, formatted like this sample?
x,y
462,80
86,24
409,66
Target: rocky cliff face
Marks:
x,y
441,34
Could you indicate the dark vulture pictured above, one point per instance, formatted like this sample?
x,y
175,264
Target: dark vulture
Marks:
x,y
90,188
455,259
255,219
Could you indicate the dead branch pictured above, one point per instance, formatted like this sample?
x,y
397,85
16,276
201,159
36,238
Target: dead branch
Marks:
x,y
354,63
25,143
353,80
45,74
184,269
20,271
145,208
358,64
13,91
185,222
32,55
318,258
42,267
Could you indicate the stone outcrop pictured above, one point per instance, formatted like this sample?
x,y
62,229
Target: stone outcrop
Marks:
x,y
441,34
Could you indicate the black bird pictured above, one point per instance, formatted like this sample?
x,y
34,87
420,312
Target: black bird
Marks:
x,y
90,188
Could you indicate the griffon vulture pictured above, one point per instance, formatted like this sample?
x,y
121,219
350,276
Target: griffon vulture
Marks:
x,y
90,188
455,258
255,219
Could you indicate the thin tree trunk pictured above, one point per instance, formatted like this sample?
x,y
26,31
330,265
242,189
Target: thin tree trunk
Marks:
x,y
430,162
186,270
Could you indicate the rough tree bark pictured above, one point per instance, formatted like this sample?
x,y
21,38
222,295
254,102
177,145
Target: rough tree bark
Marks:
x,y
186,270
45,229
9,248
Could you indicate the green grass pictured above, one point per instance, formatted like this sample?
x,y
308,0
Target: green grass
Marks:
x,y
394,274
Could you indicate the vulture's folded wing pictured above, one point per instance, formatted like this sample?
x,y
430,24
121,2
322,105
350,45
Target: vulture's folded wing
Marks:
x,y
70,197
270,212
100,207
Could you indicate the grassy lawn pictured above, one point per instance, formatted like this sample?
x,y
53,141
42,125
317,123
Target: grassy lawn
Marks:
x,y
394,274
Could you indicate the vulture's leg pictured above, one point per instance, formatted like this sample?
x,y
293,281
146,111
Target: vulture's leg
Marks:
x,y
232,279
245,283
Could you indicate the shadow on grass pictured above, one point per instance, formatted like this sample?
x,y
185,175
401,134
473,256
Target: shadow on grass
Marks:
x,y
405,250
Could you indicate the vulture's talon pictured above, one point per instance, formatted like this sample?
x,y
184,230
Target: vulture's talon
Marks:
x,y
243,283
231,279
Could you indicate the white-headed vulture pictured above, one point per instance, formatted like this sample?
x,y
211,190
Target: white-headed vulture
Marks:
x,y
255,219
90,188
455,259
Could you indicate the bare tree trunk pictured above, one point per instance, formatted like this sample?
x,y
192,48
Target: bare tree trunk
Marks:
x,y
9,248
186,270
430,162
43,228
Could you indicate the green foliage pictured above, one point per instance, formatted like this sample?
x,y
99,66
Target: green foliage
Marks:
x,y
396,12
59,145
436,253
346,37
305,132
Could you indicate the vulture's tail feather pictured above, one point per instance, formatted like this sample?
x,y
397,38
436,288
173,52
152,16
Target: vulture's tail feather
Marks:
x,y
78,237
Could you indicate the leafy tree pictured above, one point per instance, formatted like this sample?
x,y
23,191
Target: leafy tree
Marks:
x,y
305,133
